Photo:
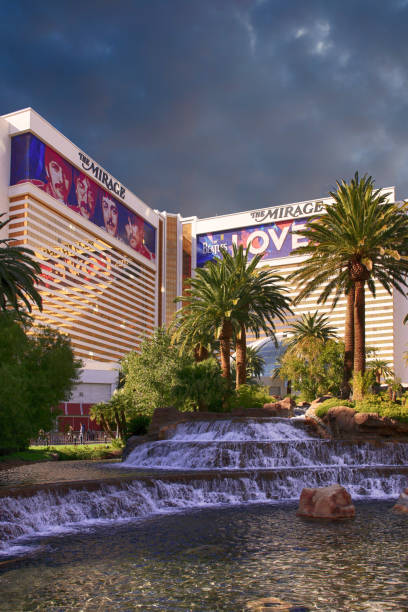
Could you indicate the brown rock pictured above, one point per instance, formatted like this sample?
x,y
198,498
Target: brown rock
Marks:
x,y
332,502
315,404
283,408
341,419
402,503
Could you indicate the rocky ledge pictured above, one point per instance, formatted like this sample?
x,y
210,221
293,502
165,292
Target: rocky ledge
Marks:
x,y
345,423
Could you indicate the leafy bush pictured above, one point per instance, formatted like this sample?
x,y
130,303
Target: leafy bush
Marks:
x,y
379,404
200,386
138,425
37,371
325,406
249,396
315,372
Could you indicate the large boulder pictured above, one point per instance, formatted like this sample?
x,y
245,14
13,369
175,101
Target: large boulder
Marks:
x,y
131,444
282,408
402,502
332,502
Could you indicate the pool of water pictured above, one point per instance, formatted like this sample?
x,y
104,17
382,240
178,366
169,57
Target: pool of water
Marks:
x,y
219,559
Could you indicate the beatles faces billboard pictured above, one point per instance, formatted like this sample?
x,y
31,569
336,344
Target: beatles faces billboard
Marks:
x,y
34,161
271,240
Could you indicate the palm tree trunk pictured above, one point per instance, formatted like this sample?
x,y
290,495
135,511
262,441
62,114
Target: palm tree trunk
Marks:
x,y
200,353
225,349
359,327
240,346
348,346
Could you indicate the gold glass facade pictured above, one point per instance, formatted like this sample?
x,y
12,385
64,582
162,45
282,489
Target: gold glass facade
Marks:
x,y
99,295
171,266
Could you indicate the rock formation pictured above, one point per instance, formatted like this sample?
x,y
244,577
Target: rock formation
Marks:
x,y
402,502
332,502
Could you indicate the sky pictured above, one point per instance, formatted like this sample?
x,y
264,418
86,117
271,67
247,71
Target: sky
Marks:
x,y
208,107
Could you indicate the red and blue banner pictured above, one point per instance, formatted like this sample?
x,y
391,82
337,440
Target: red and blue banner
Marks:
x,y
35,162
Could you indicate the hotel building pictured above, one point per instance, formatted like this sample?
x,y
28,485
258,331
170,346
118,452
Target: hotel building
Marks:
x,y
112,266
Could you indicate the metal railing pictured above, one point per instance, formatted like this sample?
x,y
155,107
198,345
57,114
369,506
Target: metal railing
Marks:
x,y
55,438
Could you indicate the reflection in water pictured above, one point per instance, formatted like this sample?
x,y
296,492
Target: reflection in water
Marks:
x,y
220,560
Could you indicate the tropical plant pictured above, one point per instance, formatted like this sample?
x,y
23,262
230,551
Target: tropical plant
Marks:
x,y
228,297
261,300
360,239
114,413
18,276
309,333
255,365
249,396
190,337
315,372
200,386
381,369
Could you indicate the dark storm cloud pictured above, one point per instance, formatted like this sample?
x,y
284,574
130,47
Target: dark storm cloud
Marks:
x,y
218,106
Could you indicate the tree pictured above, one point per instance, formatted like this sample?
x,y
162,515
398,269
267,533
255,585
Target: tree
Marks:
x,y
114,413
229,296
255,364
360,239
18,276
38,370
208,307
309,333
150,375
381,368
315,373
260,301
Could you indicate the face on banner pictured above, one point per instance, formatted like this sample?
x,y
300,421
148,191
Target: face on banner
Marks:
x,y
272,240
34,161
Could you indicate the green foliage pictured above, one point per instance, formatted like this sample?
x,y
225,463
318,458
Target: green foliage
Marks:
x,y
362,383
200,386
65,452
325,406
138,425
226,298
38,370
151,375
18,276
249,396
379,404
315,373
309,333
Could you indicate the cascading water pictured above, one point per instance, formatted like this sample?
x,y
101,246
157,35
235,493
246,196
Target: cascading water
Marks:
x,y
212,463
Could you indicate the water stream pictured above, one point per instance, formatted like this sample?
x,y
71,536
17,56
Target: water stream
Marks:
x,y
206,464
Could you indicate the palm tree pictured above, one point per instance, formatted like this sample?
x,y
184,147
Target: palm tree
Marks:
x,y
260,301
226,298
309,333
381,368
255,363
18,276
189,335
360,239
208,307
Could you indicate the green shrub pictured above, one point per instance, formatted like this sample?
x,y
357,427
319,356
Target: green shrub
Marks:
x,y
249,396
138,425
325,406
379,404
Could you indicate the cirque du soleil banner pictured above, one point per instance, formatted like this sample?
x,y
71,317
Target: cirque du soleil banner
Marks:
x,y
270,240
35,162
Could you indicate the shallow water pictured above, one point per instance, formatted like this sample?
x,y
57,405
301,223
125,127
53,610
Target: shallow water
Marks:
x,y
219,559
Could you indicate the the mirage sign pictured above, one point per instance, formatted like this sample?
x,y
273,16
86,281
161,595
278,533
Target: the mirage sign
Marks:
x,y
271,240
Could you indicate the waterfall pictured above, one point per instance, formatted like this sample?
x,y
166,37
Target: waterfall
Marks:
x,y
211,464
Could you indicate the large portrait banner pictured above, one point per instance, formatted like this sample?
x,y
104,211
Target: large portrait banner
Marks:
x,y
35,162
